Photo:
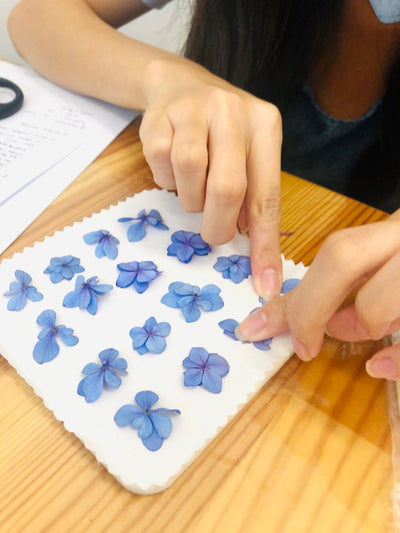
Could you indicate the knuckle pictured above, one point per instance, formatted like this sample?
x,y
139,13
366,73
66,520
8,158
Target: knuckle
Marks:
x,y
267,114
267,208
343,249
190,159
367,320
228,192
157,150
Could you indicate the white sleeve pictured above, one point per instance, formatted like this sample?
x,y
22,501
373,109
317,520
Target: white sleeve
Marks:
x,y
155,4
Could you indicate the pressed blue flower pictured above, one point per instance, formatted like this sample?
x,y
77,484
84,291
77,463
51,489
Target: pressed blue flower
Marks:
x,y
20,290
86,293
46,349
191,299
235,267
289,284
137,231
137,273
229,326
106,243
64,267
106,374
151,337
153,425
185,244
205,369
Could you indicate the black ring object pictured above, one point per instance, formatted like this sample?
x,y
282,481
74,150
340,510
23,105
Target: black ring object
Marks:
x,y
8,109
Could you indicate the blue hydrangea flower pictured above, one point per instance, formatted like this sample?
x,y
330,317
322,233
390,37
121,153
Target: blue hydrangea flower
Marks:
x,y
86,294
153,425
137,231
205,369
46,349
106,374
185,244
150,338
20,290
64,267
229,325
191,299
235,267
289,284
106,243
137,273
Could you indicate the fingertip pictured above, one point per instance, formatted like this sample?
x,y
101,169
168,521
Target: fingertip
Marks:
x,y
382,367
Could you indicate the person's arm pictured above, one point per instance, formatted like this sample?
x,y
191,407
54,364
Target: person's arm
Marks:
x,y
216,144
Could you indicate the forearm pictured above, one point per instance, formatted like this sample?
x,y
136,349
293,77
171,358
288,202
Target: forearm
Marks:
x,y
70,44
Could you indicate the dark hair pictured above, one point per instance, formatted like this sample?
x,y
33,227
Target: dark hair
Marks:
x,y
269,48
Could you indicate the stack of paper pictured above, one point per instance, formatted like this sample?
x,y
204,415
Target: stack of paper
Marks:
x,y
46,145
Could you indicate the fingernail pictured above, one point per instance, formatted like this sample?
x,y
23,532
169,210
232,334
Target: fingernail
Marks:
x,y
382,367
270,283
300,349
251,326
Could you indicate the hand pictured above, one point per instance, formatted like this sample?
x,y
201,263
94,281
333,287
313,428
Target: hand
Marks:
x,y
365,257
219,147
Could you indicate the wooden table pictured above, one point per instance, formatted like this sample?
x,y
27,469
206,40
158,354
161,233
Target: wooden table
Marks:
x,y
310,453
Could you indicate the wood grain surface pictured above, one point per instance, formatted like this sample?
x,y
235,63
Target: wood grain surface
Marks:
x,y
310,453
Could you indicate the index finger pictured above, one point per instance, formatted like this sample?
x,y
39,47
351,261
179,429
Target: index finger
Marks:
x,y
264,204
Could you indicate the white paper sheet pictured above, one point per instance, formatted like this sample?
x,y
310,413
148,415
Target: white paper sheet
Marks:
x,y
203,414
46,145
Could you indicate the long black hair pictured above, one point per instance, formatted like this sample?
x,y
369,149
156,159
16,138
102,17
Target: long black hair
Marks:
x,y
269,48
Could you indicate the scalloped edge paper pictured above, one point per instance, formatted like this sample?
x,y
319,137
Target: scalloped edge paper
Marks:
x,y
203,414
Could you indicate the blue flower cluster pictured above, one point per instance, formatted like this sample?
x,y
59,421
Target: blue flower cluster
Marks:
x,y
229,326
186,244
86,294
136,232
21,290
137,273
191,299
205,369
46,349
106,374
106,243
64,267
151,337
235,267
153,425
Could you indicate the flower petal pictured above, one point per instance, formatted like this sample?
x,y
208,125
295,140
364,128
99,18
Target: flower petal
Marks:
x,y
193,377
111,380
289,284
45,350
136,232
126,415
146,399
146,429
17,302
191,312
162,424
47,318
33,294
218,364
125,279
153,443
108,355
212,381
93,236
66,335
223,263
91,387
156,344
23,278
92,305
